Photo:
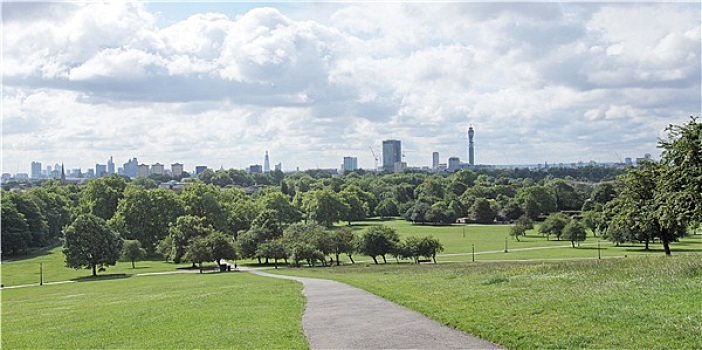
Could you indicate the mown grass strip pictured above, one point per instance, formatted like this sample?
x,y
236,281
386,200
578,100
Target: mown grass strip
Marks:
x,y
644,302
225,310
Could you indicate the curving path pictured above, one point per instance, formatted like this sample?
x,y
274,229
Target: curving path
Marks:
x,y
338,316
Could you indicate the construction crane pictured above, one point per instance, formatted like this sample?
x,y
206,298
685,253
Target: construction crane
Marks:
x,y
374,158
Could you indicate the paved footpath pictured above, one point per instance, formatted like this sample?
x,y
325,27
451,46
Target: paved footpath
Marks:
x,y
338,316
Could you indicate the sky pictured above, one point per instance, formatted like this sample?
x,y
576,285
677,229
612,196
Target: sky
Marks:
x,y
221,83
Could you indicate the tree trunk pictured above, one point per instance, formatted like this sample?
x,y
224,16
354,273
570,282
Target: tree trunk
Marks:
x,y
275,263
133,264
572,243
94,271
337,259
666,245
351,258
375,260
433,257
646,244
384,261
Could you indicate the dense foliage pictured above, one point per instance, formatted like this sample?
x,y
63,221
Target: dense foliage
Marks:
x,y
296,216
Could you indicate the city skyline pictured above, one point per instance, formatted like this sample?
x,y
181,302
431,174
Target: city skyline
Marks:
x,y
219,83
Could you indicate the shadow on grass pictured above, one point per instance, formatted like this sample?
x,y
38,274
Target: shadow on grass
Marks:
x,y
111,276
32,253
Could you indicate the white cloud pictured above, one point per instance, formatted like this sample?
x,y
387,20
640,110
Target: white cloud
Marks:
x,y
540,82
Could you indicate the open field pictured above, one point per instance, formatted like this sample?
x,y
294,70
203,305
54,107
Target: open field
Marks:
x,y
221,310
642,302
489,242
458,240
26,270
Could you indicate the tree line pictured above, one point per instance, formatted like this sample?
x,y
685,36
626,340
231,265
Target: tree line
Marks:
x,y
293,217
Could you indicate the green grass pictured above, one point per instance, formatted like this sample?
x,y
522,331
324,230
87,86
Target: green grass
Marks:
x,y
26,270
489,243
642,302
224,310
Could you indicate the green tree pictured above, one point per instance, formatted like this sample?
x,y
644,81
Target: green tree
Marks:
x,y
275,249
132,251
483,210
574,231
285,212
101,196
198,251
343,242
680,184
222,247
536,200
145,215
429,247
358,210
554,225
516,230
204,201
89,242
33,216
379,240
186,229
324,207
387,208
15,234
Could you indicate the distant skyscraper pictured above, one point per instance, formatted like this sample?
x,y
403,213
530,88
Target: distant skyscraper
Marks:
x,y
158,169
471,152
256,168
36,170
454,163
392,154
199,169
350,163
279,167
100,170
143,170
435,161
110,166
266,163
131,168
176,169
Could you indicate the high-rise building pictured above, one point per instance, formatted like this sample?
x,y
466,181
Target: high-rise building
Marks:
x,y
199,169
143,170
100,170
157,169
110,166
266,163
131,168
176,169
279,167
471,152
435,161
36,170
392,154
256,168
454,163
350,163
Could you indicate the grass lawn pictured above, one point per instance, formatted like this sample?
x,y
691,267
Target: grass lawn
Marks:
x,y
642,302
221,310
26,270
489,243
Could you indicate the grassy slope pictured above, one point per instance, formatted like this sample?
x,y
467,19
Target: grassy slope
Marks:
x,y
26,270
227,310
641,302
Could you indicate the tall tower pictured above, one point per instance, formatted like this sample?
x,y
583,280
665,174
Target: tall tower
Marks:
x,y
392,154
266,163
435,161
471,152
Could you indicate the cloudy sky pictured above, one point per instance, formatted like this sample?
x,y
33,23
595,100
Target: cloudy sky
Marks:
x,y
218,84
